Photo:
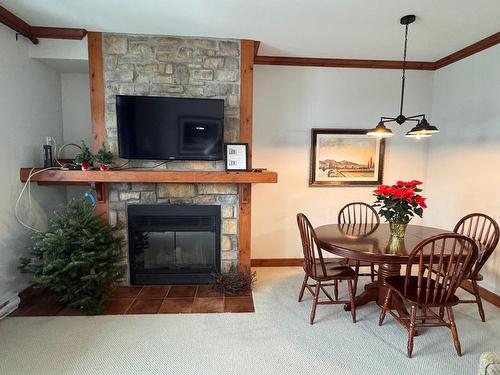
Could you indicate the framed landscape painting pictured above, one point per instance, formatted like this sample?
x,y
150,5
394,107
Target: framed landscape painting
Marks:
x,y
345,157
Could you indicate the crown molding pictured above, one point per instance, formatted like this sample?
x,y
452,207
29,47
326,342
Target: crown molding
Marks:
x,y
342,63
35,32
474,48
468,51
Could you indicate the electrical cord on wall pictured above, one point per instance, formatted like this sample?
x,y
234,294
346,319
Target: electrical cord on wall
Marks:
x,y
153,167
33,172
27,185
121,166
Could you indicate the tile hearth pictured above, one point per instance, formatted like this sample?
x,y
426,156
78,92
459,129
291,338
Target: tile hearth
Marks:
x,y
148,299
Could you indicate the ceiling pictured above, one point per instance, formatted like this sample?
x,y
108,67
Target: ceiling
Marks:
x,y
310,28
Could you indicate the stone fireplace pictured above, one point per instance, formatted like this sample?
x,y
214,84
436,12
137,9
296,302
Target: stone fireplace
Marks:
x,y
225,196
179,67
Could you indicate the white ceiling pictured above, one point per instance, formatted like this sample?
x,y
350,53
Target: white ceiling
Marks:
x,y
311,28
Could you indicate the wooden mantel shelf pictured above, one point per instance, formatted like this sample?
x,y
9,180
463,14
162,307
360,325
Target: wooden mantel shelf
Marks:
x,y
67,177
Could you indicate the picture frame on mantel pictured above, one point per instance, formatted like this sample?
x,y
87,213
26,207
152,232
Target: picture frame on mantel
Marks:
x,y
236,156
345,157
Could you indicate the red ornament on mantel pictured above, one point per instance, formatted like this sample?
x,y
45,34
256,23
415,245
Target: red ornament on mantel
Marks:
x,y
85,166
103,167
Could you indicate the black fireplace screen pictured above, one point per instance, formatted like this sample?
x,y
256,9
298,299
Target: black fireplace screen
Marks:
x,y
173,244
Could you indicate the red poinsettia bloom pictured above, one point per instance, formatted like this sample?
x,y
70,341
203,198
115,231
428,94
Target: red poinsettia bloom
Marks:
x,y
403,193
409,184
408,194
421,201
400,202
414,183
384,190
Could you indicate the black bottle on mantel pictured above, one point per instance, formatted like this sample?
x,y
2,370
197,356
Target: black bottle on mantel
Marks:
x,y
47,160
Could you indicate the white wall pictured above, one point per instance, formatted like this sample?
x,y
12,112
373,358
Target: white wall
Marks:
x,y
464,160
76,118
66,56
30,107
76,108
288,102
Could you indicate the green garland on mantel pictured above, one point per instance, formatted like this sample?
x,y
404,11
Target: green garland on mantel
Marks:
x,y
78,259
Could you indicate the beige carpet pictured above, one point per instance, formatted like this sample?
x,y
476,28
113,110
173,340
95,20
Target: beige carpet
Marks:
x,y
276,339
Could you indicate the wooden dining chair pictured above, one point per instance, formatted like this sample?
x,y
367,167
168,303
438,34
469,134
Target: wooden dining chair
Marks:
x,y
452,256
483,229
323,273
359,213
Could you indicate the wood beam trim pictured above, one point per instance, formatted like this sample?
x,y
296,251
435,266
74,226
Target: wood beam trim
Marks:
x,y
342,63
34,32
485,294
96,77
278,262
18,25
58,33
246,113
474,48
256,45
469,50
246,96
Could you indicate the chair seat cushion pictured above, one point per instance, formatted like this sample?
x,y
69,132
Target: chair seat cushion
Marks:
x,y
334,270
413,296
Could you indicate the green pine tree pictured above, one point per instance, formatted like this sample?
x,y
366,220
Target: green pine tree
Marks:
x,y
78,259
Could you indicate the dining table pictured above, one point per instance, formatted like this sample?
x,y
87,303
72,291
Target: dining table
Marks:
x,y
373,243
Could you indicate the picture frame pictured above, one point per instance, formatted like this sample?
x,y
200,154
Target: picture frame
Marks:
x,y
236,156
345,157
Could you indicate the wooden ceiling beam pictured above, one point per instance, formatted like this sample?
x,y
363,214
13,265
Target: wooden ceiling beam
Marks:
x,y
34,32
342,63
380,64
18,25
469,50
58,32
256,45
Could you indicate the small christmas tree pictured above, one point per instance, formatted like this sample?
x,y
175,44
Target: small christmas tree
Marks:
x,y
78,259
84,157
104,156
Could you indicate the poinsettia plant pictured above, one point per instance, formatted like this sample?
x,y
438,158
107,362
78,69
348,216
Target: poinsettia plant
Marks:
x,y
399,203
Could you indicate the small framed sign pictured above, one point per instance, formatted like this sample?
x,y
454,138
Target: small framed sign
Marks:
x,y
236,156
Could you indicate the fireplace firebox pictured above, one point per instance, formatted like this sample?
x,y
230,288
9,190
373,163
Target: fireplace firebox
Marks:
x,y
173,244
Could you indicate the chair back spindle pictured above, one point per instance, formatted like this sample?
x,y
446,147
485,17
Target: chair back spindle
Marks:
x,y
443,261
358,219
358,213
312,252
483,229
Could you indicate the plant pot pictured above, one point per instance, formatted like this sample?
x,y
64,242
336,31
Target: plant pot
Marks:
x,y
398,230
103,167
85,166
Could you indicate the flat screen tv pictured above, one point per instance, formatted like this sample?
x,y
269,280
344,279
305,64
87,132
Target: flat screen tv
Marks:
x,y
165,128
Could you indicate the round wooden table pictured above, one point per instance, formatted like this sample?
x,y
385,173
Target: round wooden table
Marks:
x,y
373,243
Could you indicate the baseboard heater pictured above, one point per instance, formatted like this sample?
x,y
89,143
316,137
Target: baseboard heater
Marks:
x,y
8,304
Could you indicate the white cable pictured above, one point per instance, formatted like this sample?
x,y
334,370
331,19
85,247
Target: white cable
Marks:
x,y
27,184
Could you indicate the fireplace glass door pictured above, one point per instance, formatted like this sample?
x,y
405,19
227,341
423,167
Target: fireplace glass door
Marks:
x,y
179,244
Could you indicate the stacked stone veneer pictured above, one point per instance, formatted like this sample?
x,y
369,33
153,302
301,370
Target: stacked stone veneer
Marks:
x,y
178,67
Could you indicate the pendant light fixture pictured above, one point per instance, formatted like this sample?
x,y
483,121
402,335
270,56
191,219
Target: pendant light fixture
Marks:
x,y
422,127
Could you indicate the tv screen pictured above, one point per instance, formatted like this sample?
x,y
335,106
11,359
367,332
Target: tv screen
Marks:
x,y
164,128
